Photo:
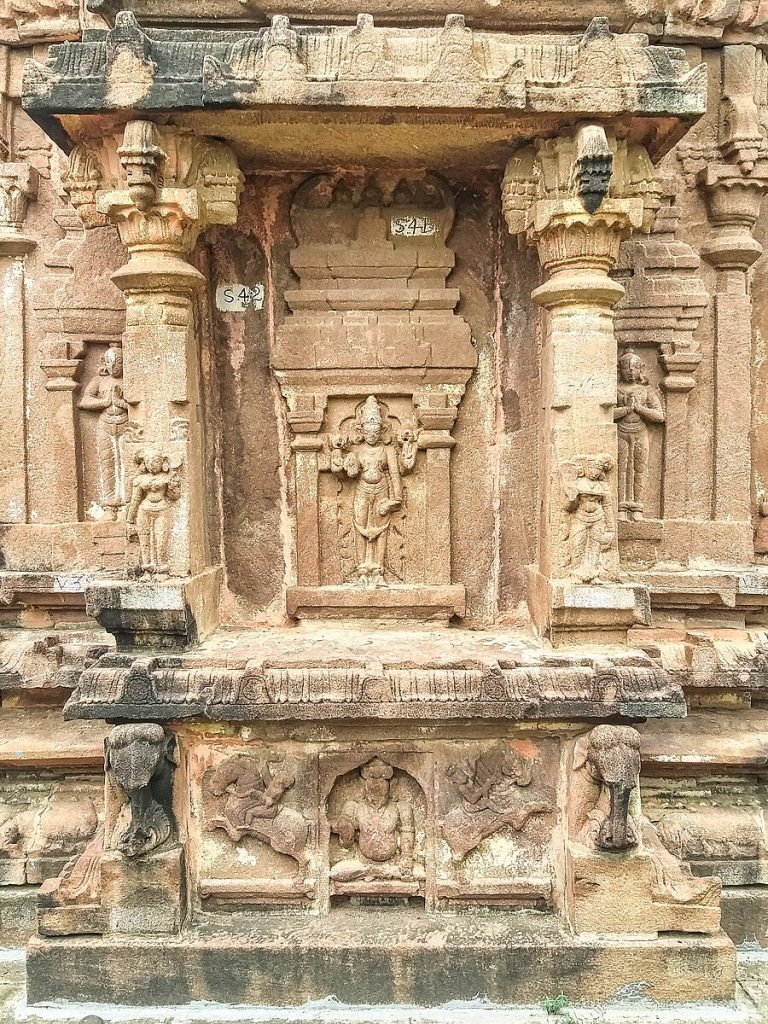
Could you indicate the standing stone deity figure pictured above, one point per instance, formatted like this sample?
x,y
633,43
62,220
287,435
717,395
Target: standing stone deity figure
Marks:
x,y
377,464
589,527
104,395
638,404
154,488
379,830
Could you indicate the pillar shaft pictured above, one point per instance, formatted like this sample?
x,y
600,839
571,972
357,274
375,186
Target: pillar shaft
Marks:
x,y
734,197
18,184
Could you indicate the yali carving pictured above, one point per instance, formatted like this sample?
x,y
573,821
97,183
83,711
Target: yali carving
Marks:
x,y
139,760
611,756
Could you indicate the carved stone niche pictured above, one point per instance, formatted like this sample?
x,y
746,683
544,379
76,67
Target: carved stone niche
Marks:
x,y
373,362
497,812
257,842
379,829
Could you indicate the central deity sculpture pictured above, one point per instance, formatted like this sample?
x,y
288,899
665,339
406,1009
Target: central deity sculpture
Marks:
x,y
377,463
378,829
104,395
637,406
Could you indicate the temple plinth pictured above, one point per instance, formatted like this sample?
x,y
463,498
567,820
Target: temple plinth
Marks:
x,y
383,591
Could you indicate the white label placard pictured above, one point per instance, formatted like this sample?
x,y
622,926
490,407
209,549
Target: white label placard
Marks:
x,y
237,298
412,227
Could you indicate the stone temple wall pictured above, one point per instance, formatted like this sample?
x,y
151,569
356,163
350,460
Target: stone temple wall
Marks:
x,y
383,498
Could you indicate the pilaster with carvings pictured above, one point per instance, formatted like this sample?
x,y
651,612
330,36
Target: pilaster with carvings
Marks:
x,y
161,188
575,198
664,301
18,187
734,184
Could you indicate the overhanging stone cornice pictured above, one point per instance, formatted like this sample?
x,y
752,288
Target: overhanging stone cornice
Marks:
x,y
364,67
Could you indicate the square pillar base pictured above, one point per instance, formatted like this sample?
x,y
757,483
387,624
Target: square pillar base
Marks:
x,y
568,612
143,896
623,894
175,613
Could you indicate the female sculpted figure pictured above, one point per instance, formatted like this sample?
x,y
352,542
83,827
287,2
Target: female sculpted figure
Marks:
x,y
104,395
376,465
637,406
590,531
154,488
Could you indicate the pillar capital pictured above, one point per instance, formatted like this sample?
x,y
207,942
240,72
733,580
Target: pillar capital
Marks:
x,y
733,195
161,187
585,178
734,185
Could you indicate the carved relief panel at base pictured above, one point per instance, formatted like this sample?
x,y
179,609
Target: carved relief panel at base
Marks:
x,y
255,810
498,814
44,823
430,826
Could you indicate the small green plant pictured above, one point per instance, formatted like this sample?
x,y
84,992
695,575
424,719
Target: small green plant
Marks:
x,y
555,1004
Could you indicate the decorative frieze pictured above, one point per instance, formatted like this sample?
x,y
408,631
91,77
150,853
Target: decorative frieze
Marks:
x,y
452,66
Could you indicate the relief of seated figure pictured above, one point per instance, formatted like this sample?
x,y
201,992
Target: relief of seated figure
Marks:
x,y
378,830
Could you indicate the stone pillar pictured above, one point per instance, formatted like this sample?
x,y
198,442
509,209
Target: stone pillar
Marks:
x,y
575,198
734,196
167,187
437,416
677,384
18,184
733,190
61,362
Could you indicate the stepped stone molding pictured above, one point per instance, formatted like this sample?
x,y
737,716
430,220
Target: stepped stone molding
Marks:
x,y
27,21
163,689
683,20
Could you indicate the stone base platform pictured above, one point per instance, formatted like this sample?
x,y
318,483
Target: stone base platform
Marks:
x,y
388,956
